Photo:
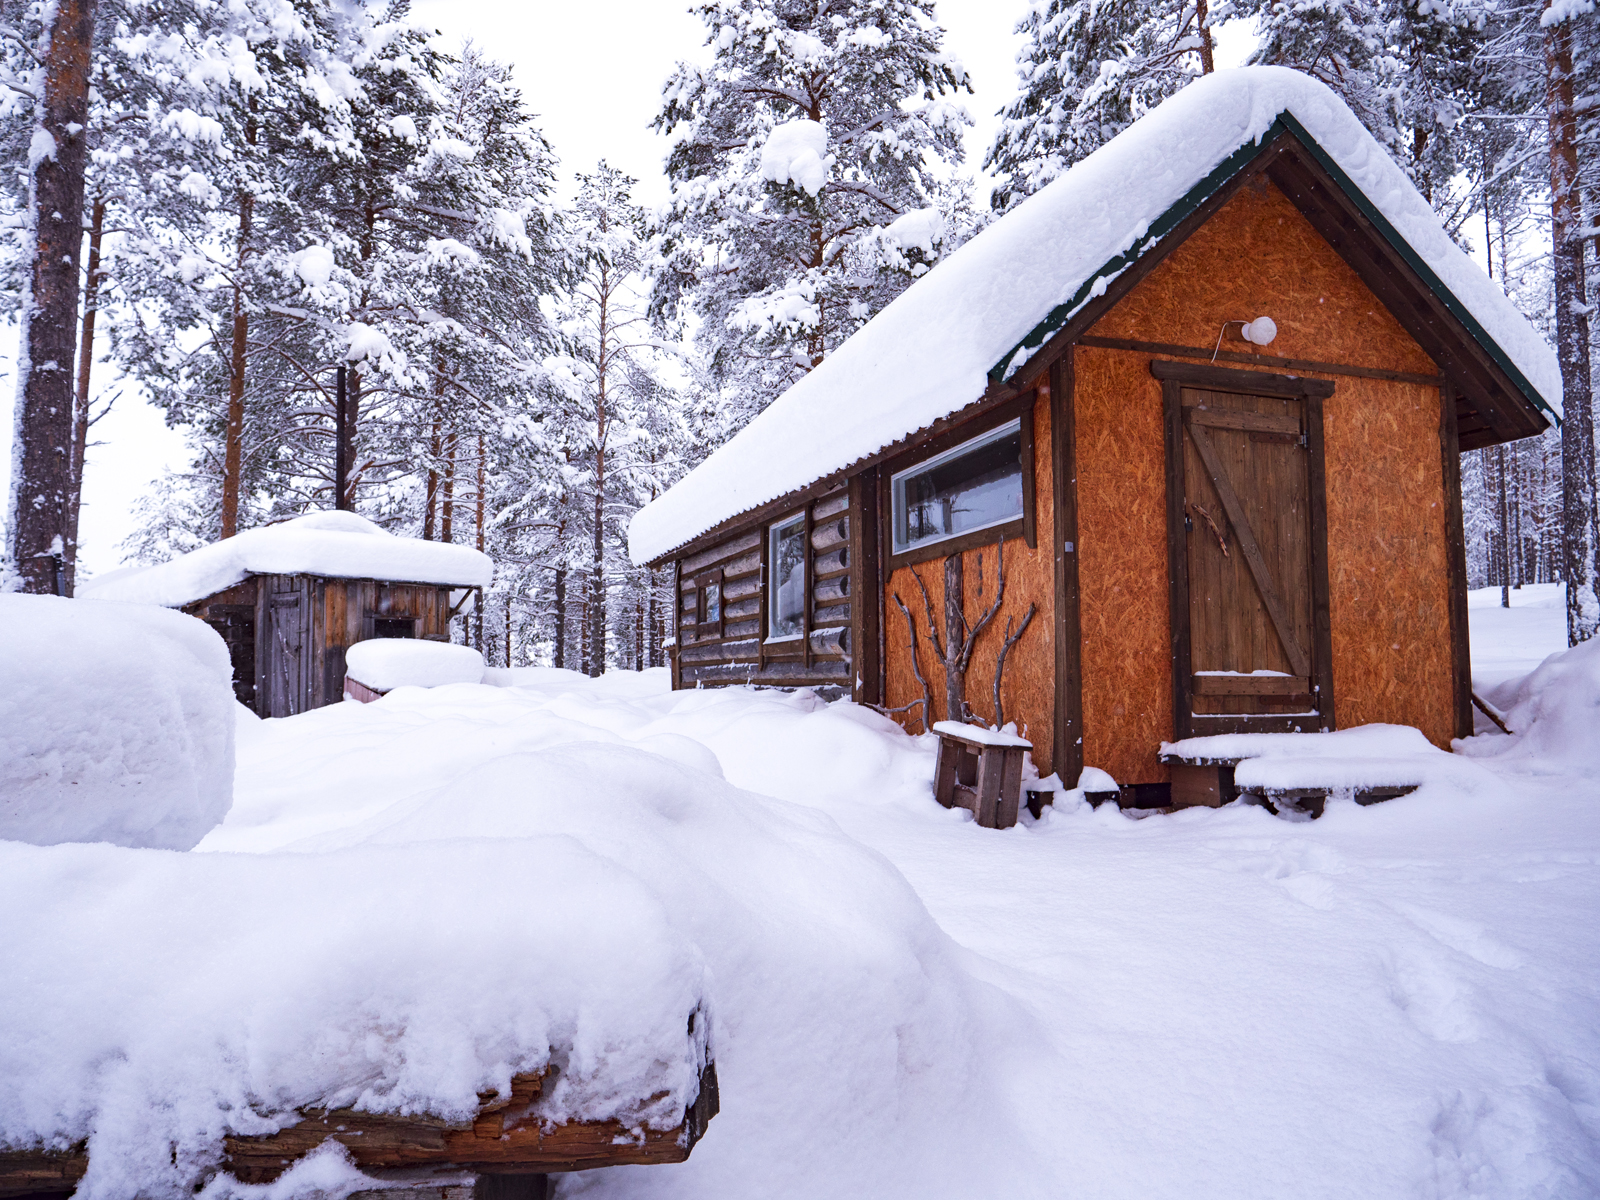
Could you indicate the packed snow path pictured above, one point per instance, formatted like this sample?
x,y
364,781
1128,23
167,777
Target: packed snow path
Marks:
x,y
1396,1001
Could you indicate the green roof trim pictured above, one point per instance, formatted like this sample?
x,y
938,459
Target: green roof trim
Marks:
x,y
1207,187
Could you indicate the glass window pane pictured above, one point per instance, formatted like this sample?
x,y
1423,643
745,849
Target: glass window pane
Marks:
x,y
786,559
713,603
972,487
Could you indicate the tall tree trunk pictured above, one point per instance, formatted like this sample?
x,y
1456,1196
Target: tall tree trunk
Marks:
x,y
233,443
479,514
1572,339
638,633
1208,61
597,574
561,617
447,507
585,658
41,474
955,631
435,450
1505,529
653,622
80,410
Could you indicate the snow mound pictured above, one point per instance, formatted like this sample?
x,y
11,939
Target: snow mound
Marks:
x,y
116,724
385,663
1554,715
929,353
796,152
341,545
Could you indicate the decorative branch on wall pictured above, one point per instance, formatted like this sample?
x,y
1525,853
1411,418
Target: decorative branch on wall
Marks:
x,y
1011,639
927,696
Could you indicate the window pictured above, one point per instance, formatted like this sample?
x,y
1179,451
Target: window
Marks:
x,y
976,485
393,627
708,604
786,580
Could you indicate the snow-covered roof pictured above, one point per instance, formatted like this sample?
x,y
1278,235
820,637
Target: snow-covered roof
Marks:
x,y
340,545
934,349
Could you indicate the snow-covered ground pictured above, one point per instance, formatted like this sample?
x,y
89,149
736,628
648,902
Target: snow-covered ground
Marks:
x,y
1394,1001
1507,643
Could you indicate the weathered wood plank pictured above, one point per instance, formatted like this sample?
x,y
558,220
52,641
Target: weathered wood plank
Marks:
x,y
1251,685
1198,414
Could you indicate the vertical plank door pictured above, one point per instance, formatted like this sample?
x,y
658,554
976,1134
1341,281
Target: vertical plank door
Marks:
x,y
1247,525
287,618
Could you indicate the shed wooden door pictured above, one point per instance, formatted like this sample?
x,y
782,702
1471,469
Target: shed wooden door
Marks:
x,y
1248,548
288,629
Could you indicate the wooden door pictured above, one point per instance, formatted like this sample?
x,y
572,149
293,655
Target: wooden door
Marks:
x,y
1248,548
288,621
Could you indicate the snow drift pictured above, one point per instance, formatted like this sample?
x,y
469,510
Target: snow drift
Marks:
x,y
340,545
116,724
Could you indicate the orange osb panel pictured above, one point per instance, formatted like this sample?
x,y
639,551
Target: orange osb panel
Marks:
x,y
1388,584
1122,565
1029,686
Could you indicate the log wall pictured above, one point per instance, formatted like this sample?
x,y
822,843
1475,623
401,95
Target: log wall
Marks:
x,y
1389,589
740,653
1028,687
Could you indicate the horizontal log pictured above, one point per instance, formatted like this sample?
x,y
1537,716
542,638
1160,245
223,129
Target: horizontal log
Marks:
x,y
741,629
782,673
831,591
505,1137
831,641
832,614
1251,685
742,586
830,534
722,551
832,505
749,606
748,649
835,562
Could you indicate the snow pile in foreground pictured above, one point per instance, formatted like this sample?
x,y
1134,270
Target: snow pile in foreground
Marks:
x,y
337,544
116,724
385,663
420,897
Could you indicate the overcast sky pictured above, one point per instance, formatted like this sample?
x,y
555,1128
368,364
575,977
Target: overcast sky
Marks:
x,y
593,73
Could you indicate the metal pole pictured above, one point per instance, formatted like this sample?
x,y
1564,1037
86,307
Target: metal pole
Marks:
x,y
341,442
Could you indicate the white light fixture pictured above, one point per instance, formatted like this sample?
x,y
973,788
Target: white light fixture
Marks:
x,y
1260,332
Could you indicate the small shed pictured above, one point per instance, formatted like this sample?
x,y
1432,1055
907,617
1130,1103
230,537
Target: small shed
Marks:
x,y
289,599
1170,449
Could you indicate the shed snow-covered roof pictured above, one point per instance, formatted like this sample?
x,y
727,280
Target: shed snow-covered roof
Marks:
x,y
982,312
339,545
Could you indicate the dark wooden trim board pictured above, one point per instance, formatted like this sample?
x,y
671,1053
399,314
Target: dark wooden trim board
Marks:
x,y
1456,562
865,597
1225,379
1265,360
1068,755
1177,559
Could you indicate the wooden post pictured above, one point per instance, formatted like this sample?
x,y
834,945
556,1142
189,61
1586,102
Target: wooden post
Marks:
x,y
955,629
341,443
1455,562
1067,754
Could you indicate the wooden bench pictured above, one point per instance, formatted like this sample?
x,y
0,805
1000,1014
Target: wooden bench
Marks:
x,y
1209,782
505,1148
981,771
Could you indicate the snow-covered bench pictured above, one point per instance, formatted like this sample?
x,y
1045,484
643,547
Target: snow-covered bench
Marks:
x,y
379,665
1297,772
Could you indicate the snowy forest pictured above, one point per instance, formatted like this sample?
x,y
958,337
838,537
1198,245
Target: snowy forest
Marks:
x,y
243,202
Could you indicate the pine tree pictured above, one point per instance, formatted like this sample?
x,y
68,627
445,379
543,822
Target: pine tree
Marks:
x,y
802,170
1089,69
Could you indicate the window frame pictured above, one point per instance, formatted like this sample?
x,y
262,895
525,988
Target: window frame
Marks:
x,y
948,446
770,598
704,625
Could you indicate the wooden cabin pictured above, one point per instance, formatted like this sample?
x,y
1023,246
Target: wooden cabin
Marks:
x,y
289,599
1208,522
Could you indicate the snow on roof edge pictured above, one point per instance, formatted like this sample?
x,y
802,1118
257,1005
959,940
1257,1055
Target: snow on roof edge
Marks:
x,y
931,351
336,545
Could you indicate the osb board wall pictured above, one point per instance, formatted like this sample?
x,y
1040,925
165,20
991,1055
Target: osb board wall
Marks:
x,y
1028,688
1386,537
